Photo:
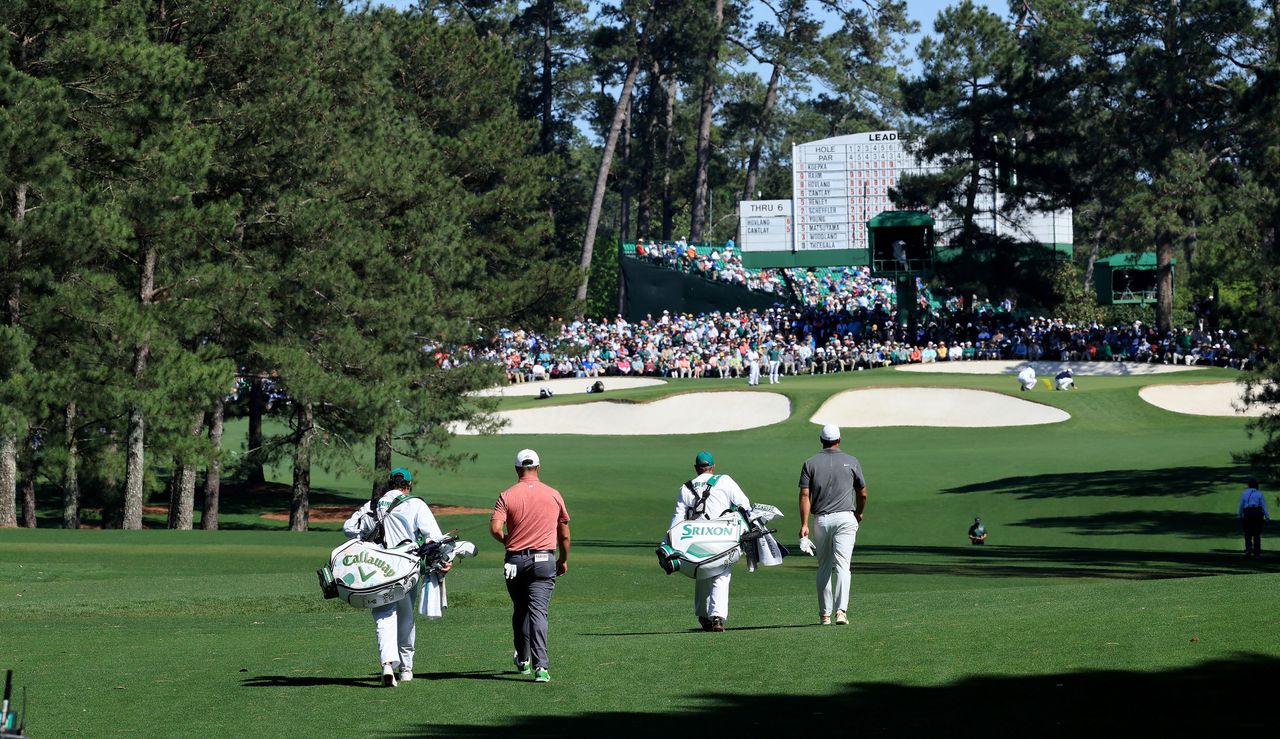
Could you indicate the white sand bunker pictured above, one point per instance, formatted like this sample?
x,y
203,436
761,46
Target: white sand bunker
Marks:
x,y
690,413
570,386
933,406
1210,399
1080,369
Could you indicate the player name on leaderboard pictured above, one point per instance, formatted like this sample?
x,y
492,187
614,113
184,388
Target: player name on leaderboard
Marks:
x,y
765,225
841,183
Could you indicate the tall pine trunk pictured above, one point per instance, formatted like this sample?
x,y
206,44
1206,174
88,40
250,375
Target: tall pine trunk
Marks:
x,y
546,92
134,466
624,176
8,479
1164,282
71,473
300,504
213,475
1170,105
8,431
1095,248
381,463
644,190
28,487
257,408
698,208
135,450
27,484
606,157
762,129
182,505
668,146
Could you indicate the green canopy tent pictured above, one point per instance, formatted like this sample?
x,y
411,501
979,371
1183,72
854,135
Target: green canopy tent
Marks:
x,y
1126,279
900,241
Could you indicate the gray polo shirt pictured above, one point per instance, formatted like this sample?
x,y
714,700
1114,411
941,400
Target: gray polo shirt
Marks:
x,y
832,477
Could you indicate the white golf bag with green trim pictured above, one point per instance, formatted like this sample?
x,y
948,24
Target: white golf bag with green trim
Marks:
x,y
366,575
705,548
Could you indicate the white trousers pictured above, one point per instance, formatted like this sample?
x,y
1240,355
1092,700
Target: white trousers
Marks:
x,y
1065,383
711,596
773,371
1028,384
397,632
834,535
754,379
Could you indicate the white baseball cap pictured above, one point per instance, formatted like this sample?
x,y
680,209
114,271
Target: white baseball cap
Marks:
x,y
830,432
527,458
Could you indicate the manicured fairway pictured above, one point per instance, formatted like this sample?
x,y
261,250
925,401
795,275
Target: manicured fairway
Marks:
x,y
1112,596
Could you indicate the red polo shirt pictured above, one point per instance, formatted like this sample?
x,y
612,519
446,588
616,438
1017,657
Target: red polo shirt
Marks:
x,y
531,510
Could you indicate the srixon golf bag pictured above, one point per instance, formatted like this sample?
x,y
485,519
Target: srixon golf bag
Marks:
x,y
704,548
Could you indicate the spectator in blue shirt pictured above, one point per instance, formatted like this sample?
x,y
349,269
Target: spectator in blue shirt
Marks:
x,y
1253,511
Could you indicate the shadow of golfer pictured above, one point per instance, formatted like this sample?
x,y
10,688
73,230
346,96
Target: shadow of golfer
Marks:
x,y
472,675
695,630
309,681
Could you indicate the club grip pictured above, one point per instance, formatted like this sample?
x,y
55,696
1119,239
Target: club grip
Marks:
x,y
8,685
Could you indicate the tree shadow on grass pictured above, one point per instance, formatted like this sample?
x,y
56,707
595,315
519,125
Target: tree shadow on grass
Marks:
x,y
1052,562
309,681
1171,481
1190,524
1207,698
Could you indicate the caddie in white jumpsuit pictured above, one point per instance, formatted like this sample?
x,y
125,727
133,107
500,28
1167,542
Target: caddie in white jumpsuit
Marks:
x,y
1027,379
411,520
833,489
753,357
707,496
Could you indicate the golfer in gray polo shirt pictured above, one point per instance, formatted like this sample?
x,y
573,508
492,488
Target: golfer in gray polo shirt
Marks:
x,y
833,489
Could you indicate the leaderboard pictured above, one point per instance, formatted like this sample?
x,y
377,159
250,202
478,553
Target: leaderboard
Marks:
x,y
765,225
841,183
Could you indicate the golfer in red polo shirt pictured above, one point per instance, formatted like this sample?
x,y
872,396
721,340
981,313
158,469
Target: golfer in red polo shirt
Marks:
x,y
535,522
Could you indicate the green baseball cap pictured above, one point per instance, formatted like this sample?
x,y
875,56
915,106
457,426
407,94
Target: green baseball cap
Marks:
x,y
704,459
401,472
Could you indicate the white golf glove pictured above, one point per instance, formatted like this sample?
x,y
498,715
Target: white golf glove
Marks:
x,y
509,571
807,546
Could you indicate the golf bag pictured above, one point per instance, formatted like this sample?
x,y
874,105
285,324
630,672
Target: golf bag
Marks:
x,y
367,575
11,726
704,548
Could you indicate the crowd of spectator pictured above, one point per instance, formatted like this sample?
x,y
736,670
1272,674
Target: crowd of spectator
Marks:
x,y
814,340
834,320
831,289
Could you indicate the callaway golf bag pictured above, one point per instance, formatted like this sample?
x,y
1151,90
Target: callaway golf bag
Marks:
x,y
367,575
12,727
704,548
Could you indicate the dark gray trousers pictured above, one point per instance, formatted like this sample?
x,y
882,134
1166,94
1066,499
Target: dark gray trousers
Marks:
x,y
530,592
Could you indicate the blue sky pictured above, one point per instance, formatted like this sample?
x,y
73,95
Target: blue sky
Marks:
x,y
923,11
